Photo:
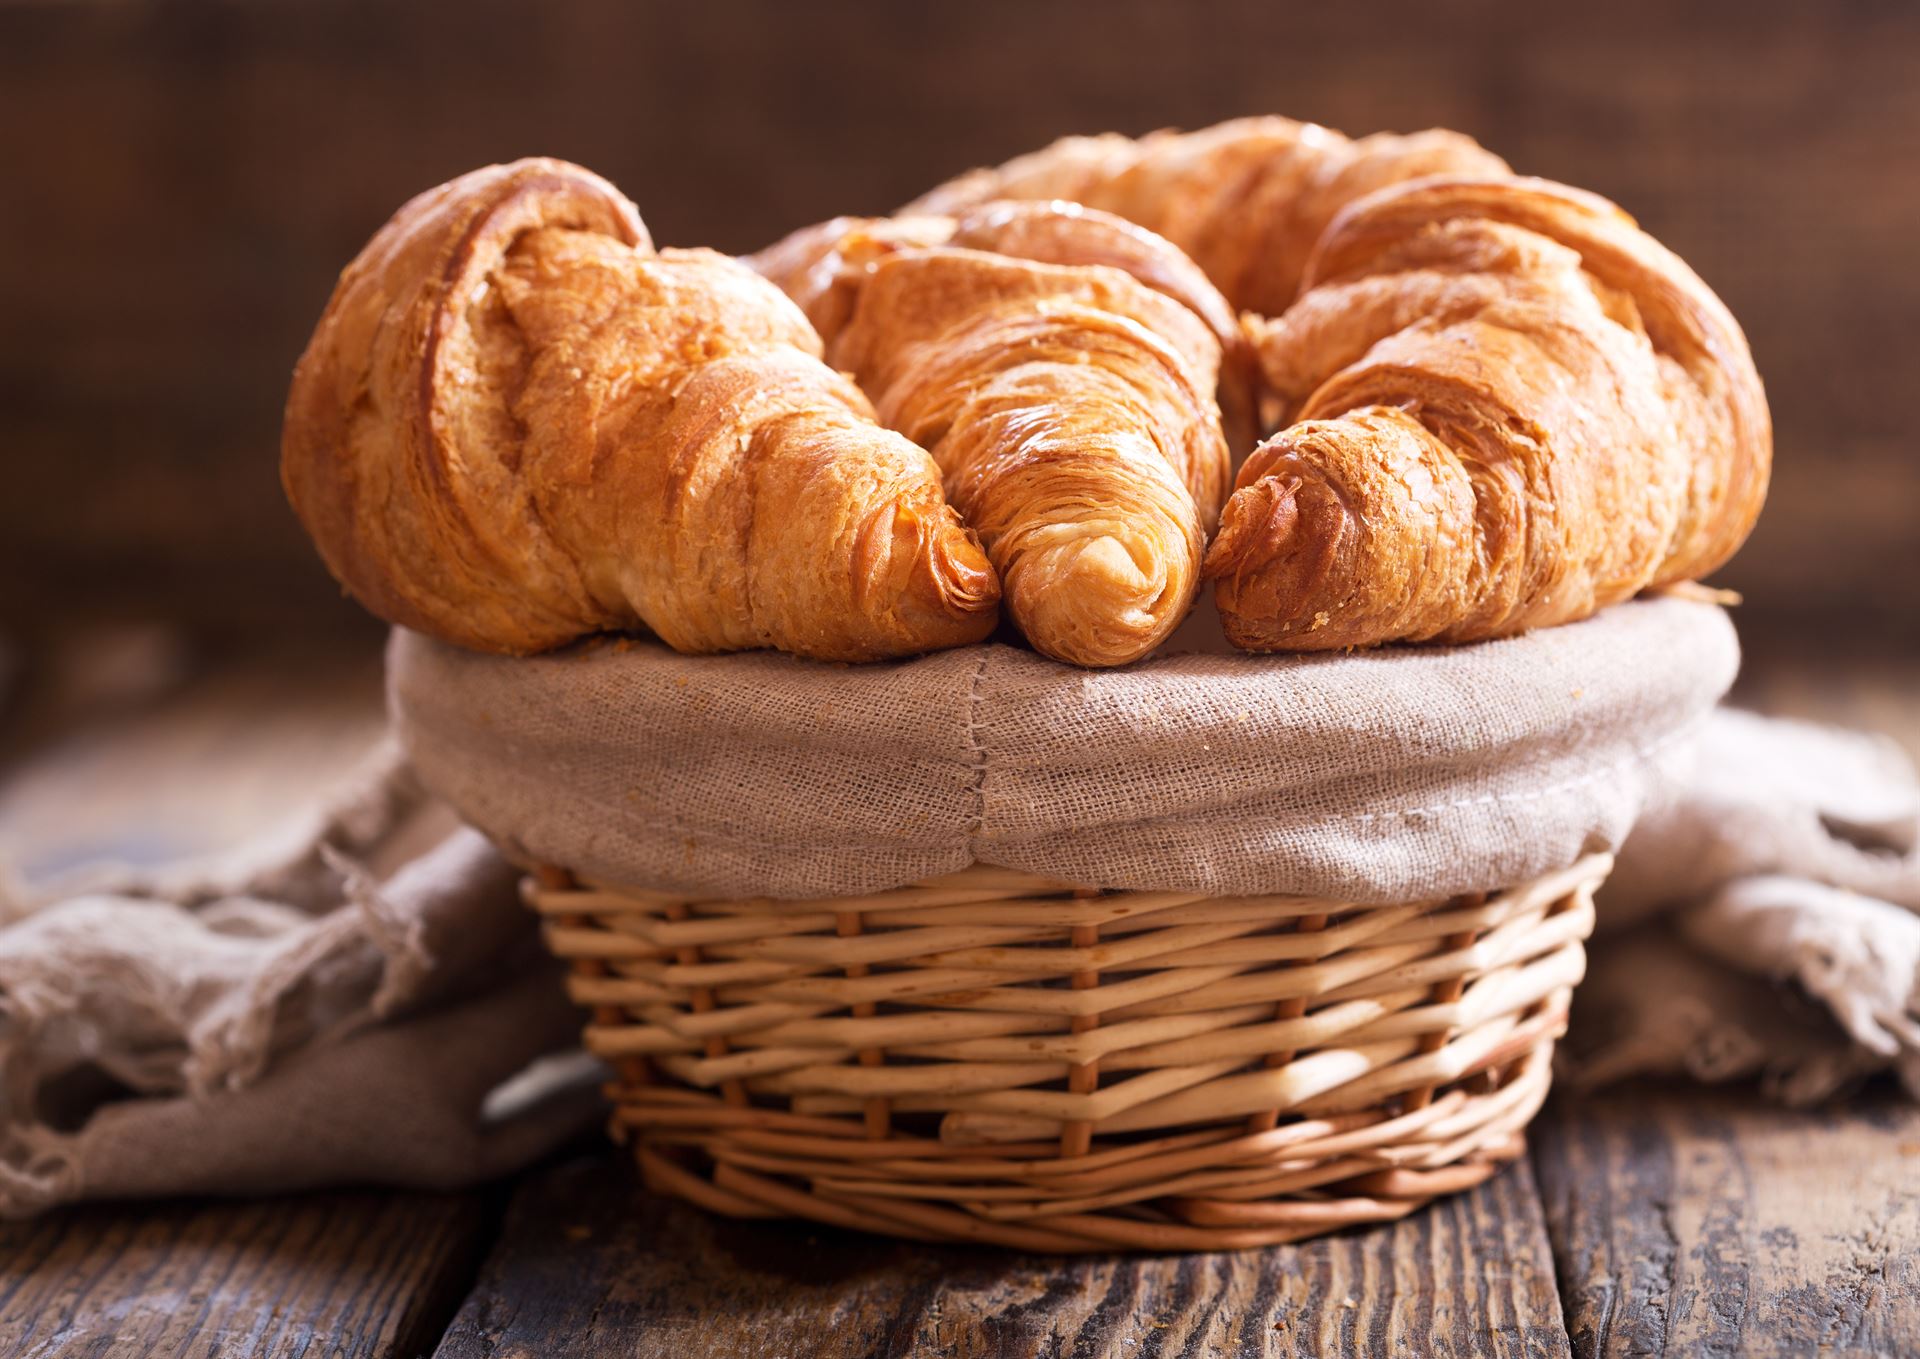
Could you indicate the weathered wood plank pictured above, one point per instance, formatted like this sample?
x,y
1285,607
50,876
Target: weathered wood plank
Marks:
x,y
130,746
1709,1222
588,1265
352,1275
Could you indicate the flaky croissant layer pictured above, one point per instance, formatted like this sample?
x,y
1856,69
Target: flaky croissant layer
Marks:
x,y
1246,198
1062,368
1500,406
1513,408
517,424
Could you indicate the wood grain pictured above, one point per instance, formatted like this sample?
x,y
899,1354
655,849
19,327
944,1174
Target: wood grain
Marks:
x,y
1691,1221
1709,1221
130,747
352,1275
589,1266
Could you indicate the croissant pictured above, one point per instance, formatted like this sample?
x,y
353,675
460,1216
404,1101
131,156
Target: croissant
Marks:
x,y
1246,199
1070,405
517,424
820,268
1514,408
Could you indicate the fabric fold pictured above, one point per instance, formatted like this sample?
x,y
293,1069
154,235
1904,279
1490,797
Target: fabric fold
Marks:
x,y
1390,775
332,1003
1763,919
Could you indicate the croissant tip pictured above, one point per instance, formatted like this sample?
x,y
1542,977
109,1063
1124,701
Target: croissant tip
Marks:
x,y
1095,599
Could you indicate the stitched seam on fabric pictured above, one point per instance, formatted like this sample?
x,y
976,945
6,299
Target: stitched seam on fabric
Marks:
x,y
977,744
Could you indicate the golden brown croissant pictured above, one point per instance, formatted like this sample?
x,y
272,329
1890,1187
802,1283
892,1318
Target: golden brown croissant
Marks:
x,y
1515,408
1069,404
1246,199
820,268
517,424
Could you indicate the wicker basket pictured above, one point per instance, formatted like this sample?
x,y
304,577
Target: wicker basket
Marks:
x,y
994,1057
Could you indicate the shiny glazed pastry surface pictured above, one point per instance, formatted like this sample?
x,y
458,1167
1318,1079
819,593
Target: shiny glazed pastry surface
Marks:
x,y
1501,404
1510,407
517,424
1062,368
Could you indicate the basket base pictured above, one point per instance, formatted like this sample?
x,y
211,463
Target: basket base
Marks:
x,y
992,1058
1218,1189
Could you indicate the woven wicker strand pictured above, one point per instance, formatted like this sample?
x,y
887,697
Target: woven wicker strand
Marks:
x,y
992,1056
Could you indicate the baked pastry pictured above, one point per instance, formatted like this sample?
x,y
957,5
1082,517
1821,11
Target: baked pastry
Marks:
x,y
1246,199
1070,405
1540,409
1505,407
516,424
815,270
1513,407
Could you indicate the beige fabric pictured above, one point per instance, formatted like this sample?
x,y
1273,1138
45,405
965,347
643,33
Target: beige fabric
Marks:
x,y
1374,776
1764,919
334,1003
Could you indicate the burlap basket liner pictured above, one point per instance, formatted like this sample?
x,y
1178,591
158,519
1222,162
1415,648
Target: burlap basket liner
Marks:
x,y
1385,776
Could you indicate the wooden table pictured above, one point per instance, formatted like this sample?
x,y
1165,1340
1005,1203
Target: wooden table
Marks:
x,y
1646,1220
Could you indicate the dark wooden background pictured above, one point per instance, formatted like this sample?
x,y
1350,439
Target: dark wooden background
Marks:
x,y
180,182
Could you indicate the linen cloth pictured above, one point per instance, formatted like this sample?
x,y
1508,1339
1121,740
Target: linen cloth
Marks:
x,y
358,998
1763,919
361,998
1377,776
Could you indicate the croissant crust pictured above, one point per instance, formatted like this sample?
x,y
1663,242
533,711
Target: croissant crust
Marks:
x,y
1505,406
1500,405
516,424
1512,407
1245,198
1062,368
